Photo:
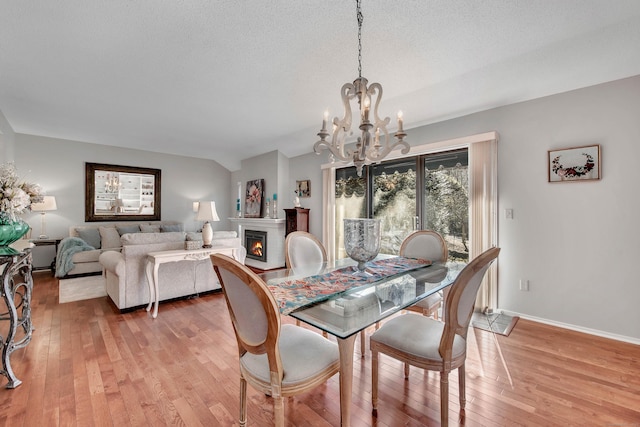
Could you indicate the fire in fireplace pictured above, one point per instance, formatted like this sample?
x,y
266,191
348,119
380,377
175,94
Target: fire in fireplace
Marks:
x,y
256,244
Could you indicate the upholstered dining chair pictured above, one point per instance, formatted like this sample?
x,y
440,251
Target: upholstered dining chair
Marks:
x,y
432,345
275,359
304,252
426,244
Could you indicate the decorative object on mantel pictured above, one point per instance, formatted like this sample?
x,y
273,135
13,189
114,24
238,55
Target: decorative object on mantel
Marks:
x,y
303,188
274,207
574,164
368,146
207,212
253,198
238,210
16,197
47,204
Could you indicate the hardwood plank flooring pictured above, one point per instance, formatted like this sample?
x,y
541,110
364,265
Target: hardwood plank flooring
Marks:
x,y
89,365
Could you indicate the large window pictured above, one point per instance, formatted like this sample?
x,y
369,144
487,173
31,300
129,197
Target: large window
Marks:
x,y
389,191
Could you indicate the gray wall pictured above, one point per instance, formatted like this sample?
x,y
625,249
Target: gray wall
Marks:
x,y
58,165
575,242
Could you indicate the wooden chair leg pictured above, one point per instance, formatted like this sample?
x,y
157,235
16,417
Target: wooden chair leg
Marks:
x,y
363,342
461,386
406,370
374,381
243,402
444,398
278,411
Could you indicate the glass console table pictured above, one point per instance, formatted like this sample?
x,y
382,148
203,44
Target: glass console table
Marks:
x,y
17,286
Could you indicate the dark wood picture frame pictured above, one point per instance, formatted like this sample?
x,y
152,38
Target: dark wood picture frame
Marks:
x,y
149,208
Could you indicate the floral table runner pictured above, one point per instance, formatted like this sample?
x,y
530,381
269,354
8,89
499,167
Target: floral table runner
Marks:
x,y
293,293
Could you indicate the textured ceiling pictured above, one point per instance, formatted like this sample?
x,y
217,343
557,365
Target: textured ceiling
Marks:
x,y
227,80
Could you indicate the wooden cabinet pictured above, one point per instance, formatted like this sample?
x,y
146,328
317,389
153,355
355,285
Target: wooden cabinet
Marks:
x,y
297,219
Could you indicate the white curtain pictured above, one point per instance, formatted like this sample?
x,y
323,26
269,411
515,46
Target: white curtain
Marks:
x,y
483,215
329,208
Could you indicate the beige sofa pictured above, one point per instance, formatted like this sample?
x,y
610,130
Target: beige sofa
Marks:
x,y
126,281
103,237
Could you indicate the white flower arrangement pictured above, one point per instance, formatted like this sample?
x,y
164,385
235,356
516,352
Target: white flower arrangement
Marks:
x,y
16,196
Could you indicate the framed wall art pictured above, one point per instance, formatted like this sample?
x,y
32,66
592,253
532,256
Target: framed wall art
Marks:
x,y
253,198
303,188
574,164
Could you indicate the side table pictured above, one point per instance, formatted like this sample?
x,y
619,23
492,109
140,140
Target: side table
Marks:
x,y
16,282
47,242
154,259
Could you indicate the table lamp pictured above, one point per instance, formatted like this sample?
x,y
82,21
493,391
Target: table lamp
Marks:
x,y
48,204
207,212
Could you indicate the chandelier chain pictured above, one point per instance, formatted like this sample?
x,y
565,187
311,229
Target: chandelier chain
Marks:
x,y
360,18
374,143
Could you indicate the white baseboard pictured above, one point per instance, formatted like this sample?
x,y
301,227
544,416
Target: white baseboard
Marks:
x,y
589,331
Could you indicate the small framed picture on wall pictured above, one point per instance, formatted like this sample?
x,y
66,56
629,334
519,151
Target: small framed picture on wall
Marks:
x,y
304,188
574,164
253,198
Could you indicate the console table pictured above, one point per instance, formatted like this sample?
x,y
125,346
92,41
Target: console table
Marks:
x,y
17,284
155,259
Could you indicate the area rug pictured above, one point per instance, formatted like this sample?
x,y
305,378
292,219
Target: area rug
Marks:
x,y
497,323
81,288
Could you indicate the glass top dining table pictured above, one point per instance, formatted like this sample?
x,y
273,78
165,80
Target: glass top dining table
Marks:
x,y
344,314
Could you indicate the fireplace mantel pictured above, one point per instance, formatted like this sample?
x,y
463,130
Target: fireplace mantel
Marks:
x,y
275,229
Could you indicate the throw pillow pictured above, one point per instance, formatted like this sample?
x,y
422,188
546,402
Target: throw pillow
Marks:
x,y
171,227
124,229
145,228
110,237
193,236
91,236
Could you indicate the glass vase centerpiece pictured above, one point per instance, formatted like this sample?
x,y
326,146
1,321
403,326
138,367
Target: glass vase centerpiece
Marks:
x,y
16,197
362,239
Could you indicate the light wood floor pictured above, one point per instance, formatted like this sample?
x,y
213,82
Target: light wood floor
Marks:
x,y
89,365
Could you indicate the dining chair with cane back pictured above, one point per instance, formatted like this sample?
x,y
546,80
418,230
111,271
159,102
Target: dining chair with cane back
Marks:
x,y
275,359
430,344
426,244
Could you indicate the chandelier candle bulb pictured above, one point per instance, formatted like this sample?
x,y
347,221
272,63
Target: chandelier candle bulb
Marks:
x,y
400,121
324,120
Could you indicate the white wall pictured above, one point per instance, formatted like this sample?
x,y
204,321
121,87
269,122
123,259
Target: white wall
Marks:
x,y
575,242
59,166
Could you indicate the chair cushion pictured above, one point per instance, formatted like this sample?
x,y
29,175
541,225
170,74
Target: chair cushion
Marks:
x,y
430,301
304,354
416,335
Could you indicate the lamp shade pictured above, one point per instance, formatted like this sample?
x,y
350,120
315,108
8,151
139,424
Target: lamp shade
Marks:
x,y
47,204
207,212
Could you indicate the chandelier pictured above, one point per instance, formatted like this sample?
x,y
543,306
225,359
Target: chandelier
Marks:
x,y
374,143
112,184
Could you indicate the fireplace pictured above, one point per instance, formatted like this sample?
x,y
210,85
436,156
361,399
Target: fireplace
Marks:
x,y
256,244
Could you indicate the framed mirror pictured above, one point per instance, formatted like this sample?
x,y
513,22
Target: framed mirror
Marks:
x,y
121,193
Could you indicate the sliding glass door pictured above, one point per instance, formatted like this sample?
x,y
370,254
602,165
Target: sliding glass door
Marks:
x,y
422,192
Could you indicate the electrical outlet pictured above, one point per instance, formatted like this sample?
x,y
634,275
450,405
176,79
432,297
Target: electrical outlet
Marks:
x,y
524,285
508,213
